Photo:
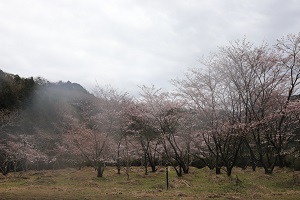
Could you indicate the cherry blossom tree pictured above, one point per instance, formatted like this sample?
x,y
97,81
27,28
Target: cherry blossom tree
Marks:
x,y
92,135
217,140
288,49
145,134
166,114
20,151
241,100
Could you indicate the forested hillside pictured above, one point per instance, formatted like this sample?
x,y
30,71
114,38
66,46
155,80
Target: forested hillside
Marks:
x,y
33,116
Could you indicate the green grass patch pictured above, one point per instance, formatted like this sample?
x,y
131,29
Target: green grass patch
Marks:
x,y
198,184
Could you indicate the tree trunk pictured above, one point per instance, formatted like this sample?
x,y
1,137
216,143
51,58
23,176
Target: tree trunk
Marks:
x,y
180,170
280,161
153,168
118,164
252,156
185,169
229,171
127,158
127,172
118,157
152,163
119,169
145,163
253,165
268,170
15,166
100,169
218,170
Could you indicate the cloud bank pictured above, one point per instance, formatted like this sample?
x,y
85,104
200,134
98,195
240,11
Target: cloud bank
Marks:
x,y
127,43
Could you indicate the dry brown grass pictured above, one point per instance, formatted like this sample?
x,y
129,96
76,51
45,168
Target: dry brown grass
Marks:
x,y
199,184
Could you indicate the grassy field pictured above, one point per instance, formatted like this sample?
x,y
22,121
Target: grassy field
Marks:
x,y
199,184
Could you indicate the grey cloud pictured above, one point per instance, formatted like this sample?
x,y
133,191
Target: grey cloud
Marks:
x,y
129,43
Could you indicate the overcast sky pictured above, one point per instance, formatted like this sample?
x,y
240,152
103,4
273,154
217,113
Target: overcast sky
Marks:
x,y
126,43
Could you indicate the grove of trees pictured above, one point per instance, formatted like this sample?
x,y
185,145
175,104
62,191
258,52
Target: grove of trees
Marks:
x,y
239,108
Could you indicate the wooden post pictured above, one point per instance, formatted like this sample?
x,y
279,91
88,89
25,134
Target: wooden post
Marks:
x,y
167,177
